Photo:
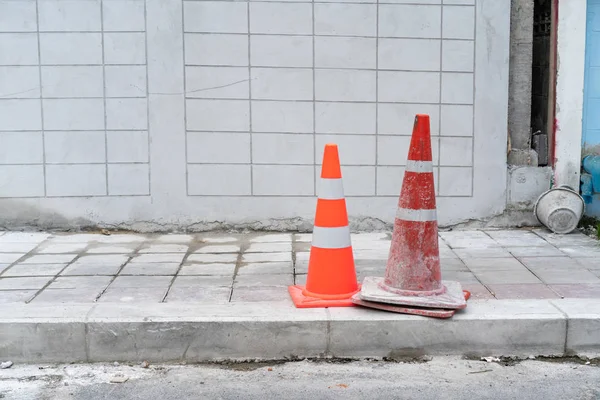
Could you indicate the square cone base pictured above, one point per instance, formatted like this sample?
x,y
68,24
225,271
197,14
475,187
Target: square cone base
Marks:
x,y
453,298
425,312
302,301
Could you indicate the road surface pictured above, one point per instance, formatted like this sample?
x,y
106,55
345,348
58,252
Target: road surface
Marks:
x,y
438,378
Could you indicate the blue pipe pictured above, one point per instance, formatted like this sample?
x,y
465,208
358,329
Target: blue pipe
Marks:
x,y
591,165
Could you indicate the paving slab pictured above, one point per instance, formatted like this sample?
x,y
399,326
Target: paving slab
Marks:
x,y
265,268
522,291
61,248
217,295
164,248
34,270
158,258
133,295
48,259
150,269
218,249
116,249
212,258
17,247
9,258
207,269
24,283
16,296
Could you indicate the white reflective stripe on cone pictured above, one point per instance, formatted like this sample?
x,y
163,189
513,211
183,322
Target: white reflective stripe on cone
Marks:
x,y
331,189
418,166
406,214
331,238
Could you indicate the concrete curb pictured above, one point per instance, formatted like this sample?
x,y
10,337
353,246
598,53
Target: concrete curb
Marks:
x,y
173,332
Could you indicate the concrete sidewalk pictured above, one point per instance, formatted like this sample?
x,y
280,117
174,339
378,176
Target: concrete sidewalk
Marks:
x,y
93,297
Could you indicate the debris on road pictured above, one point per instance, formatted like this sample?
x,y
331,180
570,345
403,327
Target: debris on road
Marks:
x,y
145,364
119,379
6,364
490,359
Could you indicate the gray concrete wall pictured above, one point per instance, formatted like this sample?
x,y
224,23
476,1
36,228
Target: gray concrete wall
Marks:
x,y
163,114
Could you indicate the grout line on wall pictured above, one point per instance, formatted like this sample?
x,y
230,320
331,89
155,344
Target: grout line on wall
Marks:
x,y
185,129
39,66
376,96
104,95
439,142
148,101
250,128
474,95
314,104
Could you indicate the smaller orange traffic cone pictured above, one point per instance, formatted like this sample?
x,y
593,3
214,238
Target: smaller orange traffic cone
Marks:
x,y
331,279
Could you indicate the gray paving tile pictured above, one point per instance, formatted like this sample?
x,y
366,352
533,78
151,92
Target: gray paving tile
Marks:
x,y
150,269
450,264
303,237
141,282
74,295
218,249
121,238
219,239
207,269
459,276
3,267
61,248
478,291
485,252
468,239
9,258
267,257
96,265
132,295
280,237
571,239
164,248
76,282
34,270
506,277
579,291
259,294
380,245
219,295
92,269
274,247
159,258
494,264
558,276
24,237
522,291
114,249
203,281
559,263
587,263
300,279
516,238
264,280
175,238
265,268
17,247
213,258
16,296
49,259
540,251
581,251
75,238
371,254
24,283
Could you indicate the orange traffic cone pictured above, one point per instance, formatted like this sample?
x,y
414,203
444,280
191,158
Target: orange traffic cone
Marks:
x,y
413,274
331,280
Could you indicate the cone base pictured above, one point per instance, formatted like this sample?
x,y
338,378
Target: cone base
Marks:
x,y
425,312
452,298
302,301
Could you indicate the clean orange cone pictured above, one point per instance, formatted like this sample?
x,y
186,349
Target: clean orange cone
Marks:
x,y
413,275
331,280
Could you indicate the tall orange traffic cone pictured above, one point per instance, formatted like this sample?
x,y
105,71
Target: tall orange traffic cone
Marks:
x,y
413,274
331,280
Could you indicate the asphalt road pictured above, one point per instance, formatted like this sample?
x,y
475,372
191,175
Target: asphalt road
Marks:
x,y
440,378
